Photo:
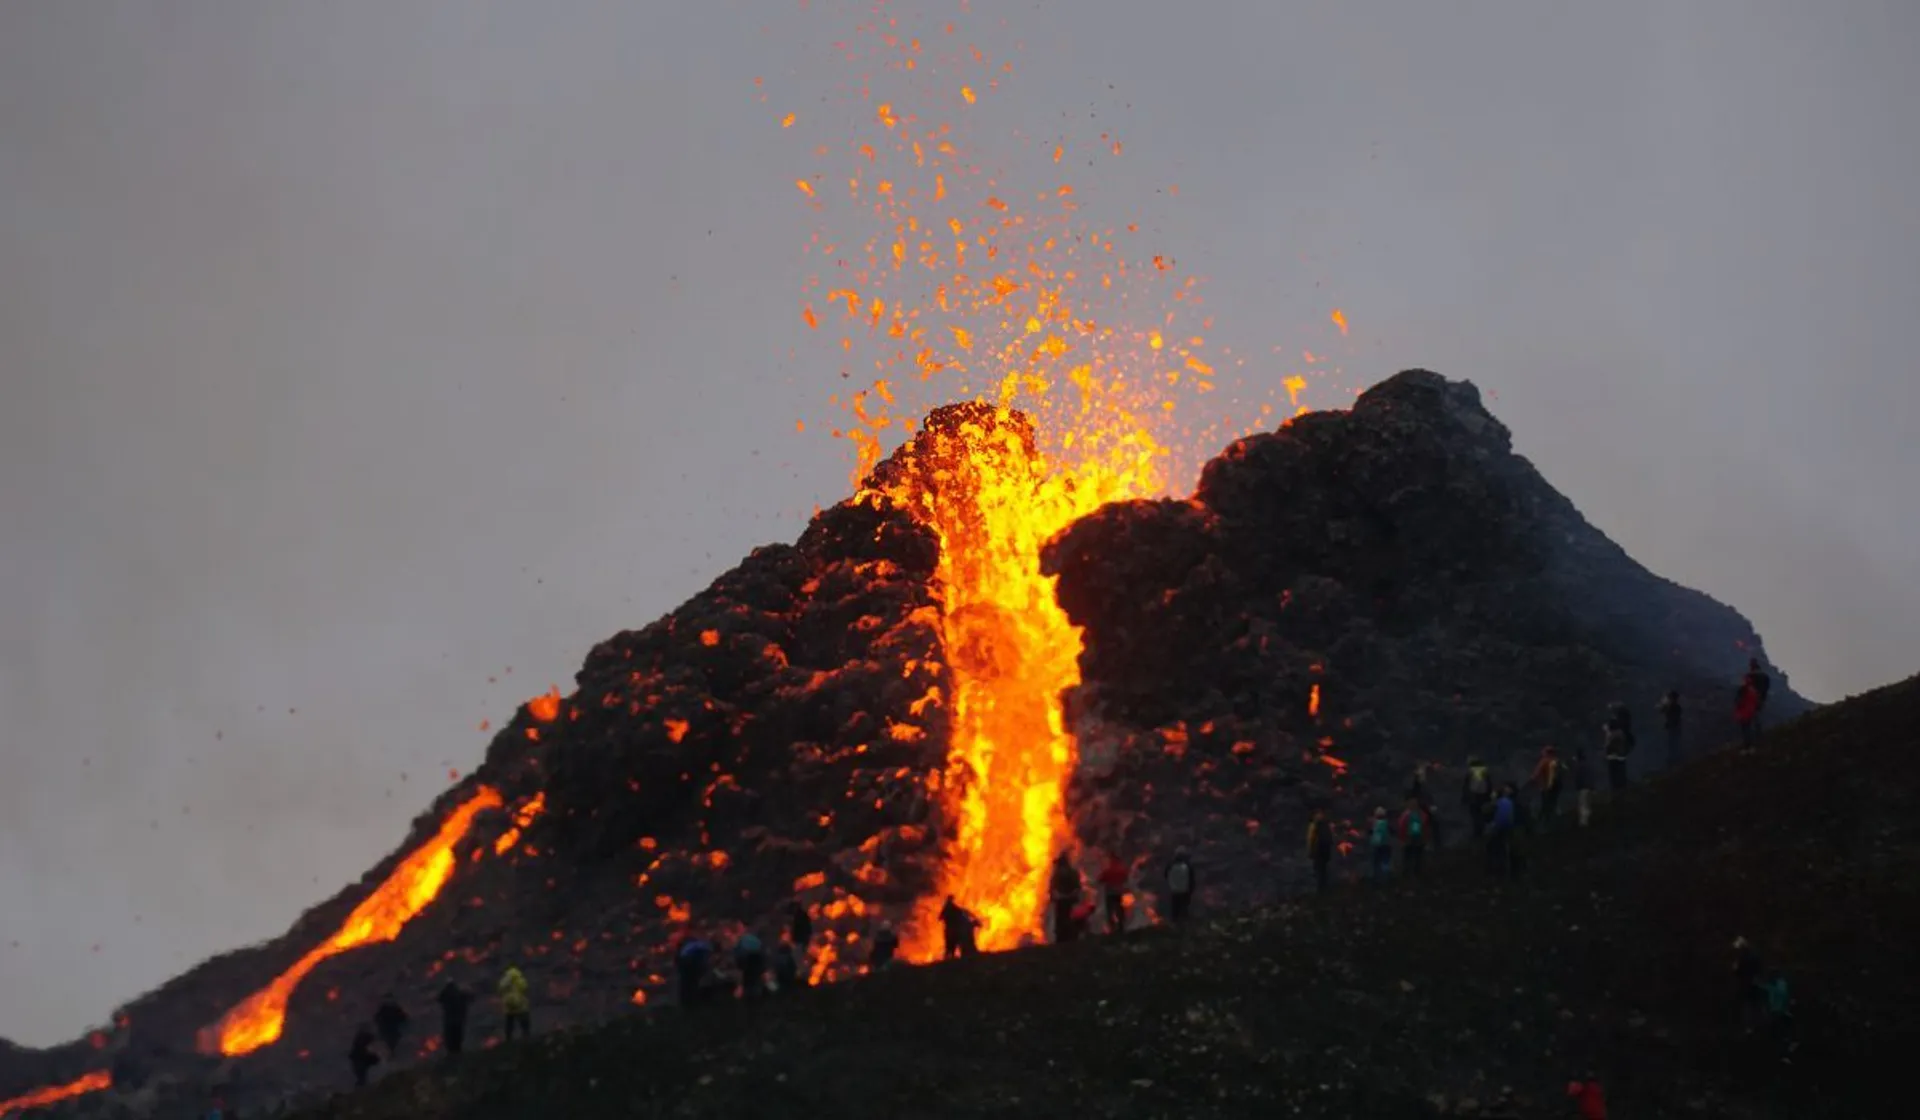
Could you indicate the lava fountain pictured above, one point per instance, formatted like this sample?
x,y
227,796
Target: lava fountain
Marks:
x,y
975,476
258,1020
946,280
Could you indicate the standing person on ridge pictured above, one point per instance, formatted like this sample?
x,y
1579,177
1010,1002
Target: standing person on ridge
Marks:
x,y
800,924
1180,884
886,943
957,926
1550,776
786,966
1758,680
690,965
1380,837
1588,1097
516,1005
1412,828
1746,713
454,1001
750,958
1582,786
1617,742
1320,848
1065,889
1671,714
1500,836
1476,789
360,1057
1113,892
390,1019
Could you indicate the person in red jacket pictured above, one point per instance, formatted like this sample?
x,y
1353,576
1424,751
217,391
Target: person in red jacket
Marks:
x,y
1746,713
1588,1097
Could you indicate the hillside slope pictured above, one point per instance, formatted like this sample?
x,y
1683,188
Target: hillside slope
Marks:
x,y
1613,954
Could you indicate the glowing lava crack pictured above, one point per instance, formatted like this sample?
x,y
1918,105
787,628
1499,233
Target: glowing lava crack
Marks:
x,y
257,1021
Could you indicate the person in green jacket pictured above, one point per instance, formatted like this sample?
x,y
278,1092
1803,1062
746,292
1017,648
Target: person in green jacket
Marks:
x,y
515,1003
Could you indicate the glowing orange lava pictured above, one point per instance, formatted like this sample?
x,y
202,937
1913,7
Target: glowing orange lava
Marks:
x,y
53,1094
977,478
257,1021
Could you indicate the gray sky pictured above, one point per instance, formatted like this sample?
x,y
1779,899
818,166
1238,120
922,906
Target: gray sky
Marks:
x,y
357,352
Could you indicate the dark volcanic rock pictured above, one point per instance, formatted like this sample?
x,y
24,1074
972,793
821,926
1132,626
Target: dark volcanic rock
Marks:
x,y
1441,595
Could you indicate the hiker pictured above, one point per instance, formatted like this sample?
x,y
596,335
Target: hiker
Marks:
x,y
1417,785
1588,1097
690,965
1180,884
750,957
1778,1002
1065,889
957,927
390,1019
1758,680
454,1001
1113,893
1521,834
786,966
515,1004
1549,775
1500,835
1617,740
799,925
1582,786
1746,713
1670,721
361,1056
1475,791
1320,848
1380,837
1412,828
885,944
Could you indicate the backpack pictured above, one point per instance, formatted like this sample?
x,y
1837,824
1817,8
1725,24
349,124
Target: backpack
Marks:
x,y
1477,781
1380,832
1414,828
1180,877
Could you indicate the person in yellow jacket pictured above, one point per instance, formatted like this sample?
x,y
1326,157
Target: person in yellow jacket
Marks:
x,y
515,1003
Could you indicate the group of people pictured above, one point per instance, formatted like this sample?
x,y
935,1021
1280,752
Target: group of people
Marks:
x,y
390,1020
1497,813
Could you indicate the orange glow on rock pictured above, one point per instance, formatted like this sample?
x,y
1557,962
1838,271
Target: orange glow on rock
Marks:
x,y
94,1082
545,707
258,1020
1313,701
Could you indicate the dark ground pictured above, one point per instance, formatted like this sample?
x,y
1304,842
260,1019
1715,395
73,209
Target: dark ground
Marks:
x,y
1613,953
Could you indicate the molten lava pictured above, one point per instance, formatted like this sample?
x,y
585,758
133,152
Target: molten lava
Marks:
x,y
53,1094
975,476
258,1020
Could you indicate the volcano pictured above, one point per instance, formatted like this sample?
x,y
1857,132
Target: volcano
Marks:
x,y
964,667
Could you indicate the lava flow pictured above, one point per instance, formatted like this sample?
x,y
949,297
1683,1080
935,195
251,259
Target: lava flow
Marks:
x,y
258,1020
975,476
53,1094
